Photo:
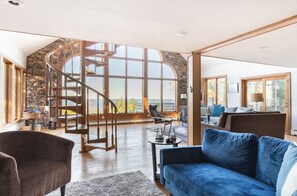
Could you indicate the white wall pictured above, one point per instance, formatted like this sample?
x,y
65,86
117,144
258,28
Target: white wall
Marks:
x,y
235,70
12,53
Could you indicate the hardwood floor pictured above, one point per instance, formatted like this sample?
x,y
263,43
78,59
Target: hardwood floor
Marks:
x,y
134,153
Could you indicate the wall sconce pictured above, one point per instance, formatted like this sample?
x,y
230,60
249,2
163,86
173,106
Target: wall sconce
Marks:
x,y
183,96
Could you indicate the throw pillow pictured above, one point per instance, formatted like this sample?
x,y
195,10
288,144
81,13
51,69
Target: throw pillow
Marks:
x,y
218,110
243,109
234,151
271,152
230,110
287,177
204,111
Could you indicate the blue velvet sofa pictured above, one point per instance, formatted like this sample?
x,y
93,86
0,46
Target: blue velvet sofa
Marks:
x,y
226,163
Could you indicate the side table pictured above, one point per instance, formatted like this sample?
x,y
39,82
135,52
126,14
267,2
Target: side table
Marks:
x,y
153,144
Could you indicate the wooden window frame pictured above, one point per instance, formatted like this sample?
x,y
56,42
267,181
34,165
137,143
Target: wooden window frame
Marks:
x,y
286,76
145,61
205,87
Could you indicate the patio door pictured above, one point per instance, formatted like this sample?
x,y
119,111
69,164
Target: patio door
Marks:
x,y
268,93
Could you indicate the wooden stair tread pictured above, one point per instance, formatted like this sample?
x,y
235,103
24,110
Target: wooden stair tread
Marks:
x,y
93,52
81,129
90,72
96,63
70,117
89,43
71,98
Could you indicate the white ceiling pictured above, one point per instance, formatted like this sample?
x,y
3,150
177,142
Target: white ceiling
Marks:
x,y
277,47
28,43
145,23
213,61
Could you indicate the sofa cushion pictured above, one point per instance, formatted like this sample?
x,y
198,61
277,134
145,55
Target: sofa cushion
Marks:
x,y
243,109
49,175
287,177
271,152
206,179
218,110
230,109
222,120
234,151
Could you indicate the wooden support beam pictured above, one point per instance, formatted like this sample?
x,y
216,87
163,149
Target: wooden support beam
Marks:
x,y
271,27
194,90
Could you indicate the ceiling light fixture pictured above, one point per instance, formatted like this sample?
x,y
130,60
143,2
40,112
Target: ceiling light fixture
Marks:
x,y
263,47
181,33
15,2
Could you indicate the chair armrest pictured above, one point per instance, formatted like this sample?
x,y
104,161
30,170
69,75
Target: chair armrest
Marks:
x,y
9,178
180,155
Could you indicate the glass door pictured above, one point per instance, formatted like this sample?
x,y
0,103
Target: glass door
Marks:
x,y
254,87
276,95
270,93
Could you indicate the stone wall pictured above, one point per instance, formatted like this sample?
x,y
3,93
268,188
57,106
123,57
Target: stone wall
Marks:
x,y
35,80
180,66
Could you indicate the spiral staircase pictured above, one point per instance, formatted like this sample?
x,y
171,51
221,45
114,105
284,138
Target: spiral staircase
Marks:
x,y
70,100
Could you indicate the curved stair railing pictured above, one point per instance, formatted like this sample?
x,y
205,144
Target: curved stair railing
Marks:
x,y
71,101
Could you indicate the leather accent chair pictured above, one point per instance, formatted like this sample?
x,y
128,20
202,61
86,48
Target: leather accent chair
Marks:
x,y
153,112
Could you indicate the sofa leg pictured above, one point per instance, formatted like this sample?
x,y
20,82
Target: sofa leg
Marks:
x,y
62,190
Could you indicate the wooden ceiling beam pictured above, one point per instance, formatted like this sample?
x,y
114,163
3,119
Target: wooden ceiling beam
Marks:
x,y
268,28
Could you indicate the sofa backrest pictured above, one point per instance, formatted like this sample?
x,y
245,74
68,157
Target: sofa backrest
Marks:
x,y
234,151
261,124
271,152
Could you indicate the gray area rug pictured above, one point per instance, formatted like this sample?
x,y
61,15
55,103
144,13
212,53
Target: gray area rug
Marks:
x,y
129,184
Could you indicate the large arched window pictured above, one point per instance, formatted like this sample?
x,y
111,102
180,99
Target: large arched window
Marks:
x,y
133,75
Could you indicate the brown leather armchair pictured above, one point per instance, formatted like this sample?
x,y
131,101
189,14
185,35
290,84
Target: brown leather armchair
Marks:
x,y
33,163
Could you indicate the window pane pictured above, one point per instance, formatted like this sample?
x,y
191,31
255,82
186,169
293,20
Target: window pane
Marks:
x,y
221,91
135,68
211,91
254,87
169,92
154,93
154,70
168,72
136,53
153,55
72,65
276,95
135,93
117,67
117,93
97,84
120,51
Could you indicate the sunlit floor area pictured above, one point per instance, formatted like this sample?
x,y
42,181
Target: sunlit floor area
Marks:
x,y
134,153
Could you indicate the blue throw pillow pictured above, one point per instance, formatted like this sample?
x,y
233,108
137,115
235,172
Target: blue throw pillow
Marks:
x,y
271,152
234,151
218,110
287,177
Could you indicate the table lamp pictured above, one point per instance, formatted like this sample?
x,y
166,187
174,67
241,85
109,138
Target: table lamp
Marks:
x,y
256,97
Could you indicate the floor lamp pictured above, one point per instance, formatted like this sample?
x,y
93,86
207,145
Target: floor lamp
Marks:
x,y
256,97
